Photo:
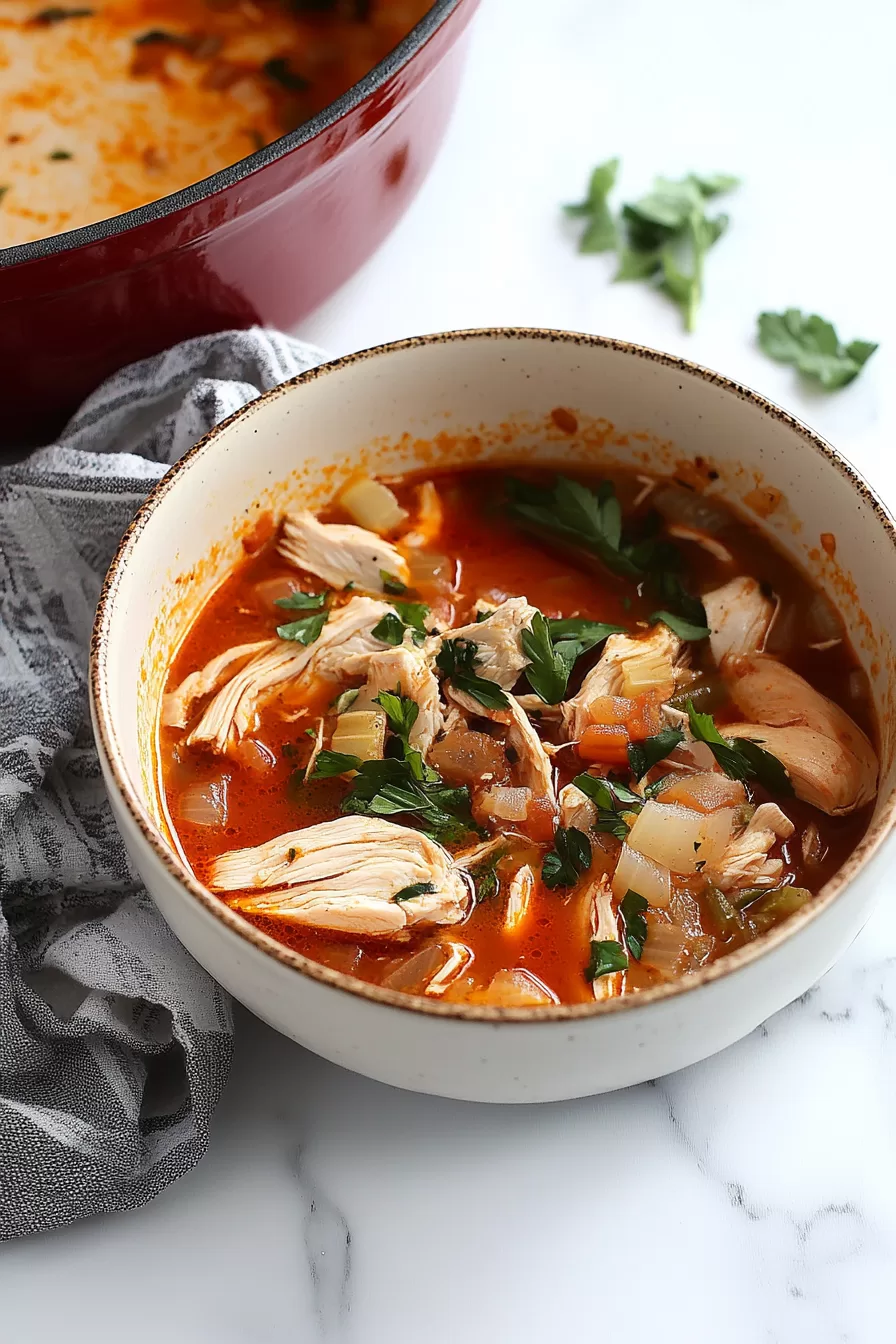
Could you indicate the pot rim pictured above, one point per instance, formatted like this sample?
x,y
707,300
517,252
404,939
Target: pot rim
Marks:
x,y
195,192
730,964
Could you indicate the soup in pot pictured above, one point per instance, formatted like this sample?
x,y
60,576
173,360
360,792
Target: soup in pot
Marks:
x,y
516,739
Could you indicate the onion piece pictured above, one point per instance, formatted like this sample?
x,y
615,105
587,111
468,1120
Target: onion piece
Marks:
x,y
371,504
506,803
705,791
821,620
465,757
204,803
360,732
414,973
678,838
635,872
664,945
270,591
514,989
428,571
691,509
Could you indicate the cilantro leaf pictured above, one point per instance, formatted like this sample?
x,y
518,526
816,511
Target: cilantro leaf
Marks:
x,y
392,584
301,601
740,758
457,660
607,957
631,908
305,630
600,230
331,763
813,347
415,889
642,756
680,627
610,797
568,860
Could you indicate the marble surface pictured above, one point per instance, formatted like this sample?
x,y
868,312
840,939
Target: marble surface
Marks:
x,y
751,1199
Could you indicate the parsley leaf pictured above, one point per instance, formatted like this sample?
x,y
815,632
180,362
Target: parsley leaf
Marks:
x,y
632,907
415,889
393,787
740,758
401,714
642,756
301,601
611,797
331,763
568,860
306,630
391,629
680,627
457,660
607,957
392,584
812,345
588,519
58,14
553,647
600,230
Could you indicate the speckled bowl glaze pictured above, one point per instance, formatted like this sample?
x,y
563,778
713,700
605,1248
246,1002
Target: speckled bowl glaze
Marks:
x,y
471,397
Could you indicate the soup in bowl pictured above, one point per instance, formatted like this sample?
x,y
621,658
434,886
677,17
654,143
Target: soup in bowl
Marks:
x,y
509,721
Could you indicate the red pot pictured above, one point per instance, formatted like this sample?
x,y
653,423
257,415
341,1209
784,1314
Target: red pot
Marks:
x,y
265,240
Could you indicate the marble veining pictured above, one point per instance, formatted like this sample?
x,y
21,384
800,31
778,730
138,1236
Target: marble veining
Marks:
x,y
328,1250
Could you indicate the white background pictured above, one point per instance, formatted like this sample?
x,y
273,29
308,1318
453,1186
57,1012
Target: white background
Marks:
x,y
752,1199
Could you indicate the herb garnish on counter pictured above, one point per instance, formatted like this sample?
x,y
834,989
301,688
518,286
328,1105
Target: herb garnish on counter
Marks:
x,y
813,347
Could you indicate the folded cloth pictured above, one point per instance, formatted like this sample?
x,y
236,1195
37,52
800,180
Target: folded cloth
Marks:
x,y
114,1044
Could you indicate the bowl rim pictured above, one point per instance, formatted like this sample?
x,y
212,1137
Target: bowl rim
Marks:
x,y
194,192
189,887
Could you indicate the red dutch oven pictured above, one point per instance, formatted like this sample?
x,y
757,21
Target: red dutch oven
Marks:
x,y
265,240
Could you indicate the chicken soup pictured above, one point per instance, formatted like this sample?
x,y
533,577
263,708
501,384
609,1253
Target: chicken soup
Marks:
x,y
109,105
516,739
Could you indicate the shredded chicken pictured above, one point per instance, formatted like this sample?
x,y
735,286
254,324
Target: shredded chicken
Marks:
x,y
501,656
739,616
345,875
344,647
340,553
519,898
652,658
533,764
316,749
829,759
409,670
604,928
576,809
459,956
428,523
745,861
177,705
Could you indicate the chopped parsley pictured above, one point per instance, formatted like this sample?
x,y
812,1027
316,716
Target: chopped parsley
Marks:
x,y
392,584
305,630
631,908
416,889
457,659
401,714
642,756
299,601
59,13
391,788
59,155
739,757
568,860
813,347
680,627
391,629
331,763
553,647
607,957
278,69
611,798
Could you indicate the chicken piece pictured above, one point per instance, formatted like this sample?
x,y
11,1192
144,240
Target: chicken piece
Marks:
x,y
605,928
533,764
628,665
576,809
829,759
745,862
739,616
178,704
336,652
428,524
341,553
519,898
410,670
500,653
345,875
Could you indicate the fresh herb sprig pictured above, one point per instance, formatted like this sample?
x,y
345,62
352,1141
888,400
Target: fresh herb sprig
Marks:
x,y
553,648
813,347
611,798
457,660
571,856
739,757
600,232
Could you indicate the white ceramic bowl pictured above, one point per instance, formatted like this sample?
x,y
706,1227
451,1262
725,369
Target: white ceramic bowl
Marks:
x,y
474,397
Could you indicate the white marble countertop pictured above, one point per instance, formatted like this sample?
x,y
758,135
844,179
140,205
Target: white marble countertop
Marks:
x,y
751,1199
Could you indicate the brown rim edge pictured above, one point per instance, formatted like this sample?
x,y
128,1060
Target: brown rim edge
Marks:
x,y
729,965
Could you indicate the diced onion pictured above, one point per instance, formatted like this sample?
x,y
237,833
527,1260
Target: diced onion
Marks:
x,y
465,757
664,946
372,505
678,838
647,672
270,591
514,989
360,732
821,620
430,571
691,509
635,872
204,803
705,791
505,803
414,974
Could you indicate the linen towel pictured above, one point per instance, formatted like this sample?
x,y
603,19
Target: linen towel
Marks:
x,y
114,1044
